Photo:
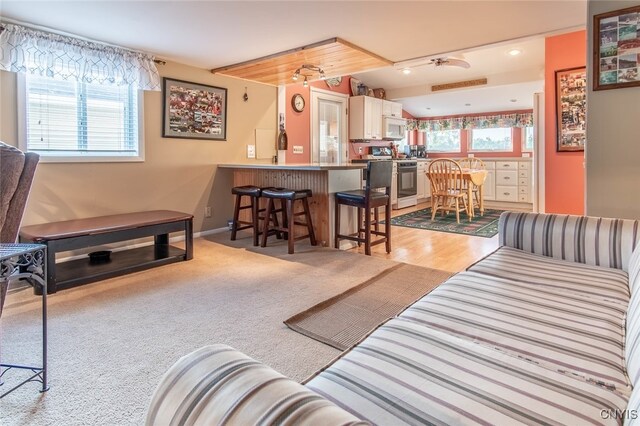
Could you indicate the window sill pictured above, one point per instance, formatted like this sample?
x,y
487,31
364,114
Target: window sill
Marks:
x,y
89,159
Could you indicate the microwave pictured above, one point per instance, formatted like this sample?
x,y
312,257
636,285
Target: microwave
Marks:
x,y
393,128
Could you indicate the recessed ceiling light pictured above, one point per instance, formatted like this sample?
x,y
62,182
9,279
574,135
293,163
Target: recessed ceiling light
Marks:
x,y
467,104
406,71
513,100
514,52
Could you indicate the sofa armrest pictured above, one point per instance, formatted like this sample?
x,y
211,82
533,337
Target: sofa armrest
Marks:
x,y
219,385
583,239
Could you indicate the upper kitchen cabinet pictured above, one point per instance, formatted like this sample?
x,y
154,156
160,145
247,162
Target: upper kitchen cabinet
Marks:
x,y
365,118
391,109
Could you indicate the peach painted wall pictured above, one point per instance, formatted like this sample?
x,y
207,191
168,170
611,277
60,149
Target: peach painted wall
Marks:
x,y
298,124
517,134
564,171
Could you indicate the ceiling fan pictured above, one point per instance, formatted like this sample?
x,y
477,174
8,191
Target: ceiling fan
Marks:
x,y
449,62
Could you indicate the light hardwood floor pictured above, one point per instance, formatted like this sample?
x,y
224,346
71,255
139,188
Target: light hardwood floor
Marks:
x,y
439,250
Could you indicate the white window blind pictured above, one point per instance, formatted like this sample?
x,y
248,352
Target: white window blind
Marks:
x,y
74,119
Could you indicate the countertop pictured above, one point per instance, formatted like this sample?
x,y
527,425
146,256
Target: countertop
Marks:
x,y
479,158
313,166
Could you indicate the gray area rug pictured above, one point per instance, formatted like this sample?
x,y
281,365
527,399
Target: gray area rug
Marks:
x,y
111,341
344,320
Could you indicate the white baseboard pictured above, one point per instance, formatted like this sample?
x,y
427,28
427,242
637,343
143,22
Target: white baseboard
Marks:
x,y
124,246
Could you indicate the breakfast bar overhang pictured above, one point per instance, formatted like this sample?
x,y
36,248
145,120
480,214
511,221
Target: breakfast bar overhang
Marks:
x,y
323,180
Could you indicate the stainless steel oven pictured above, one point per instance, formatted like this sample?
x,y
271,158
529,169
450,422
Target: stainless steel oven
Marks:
x,y
407,183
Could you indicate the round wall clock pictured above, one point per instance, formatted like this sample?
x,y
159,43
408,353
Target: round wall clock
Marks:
x,y
297,102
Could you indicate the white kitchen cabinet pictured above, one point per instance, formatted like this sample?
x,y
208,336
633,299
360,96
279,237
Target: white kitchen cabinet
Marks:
x,y
489,187
427,185
391,109
421,179
365,118
511,181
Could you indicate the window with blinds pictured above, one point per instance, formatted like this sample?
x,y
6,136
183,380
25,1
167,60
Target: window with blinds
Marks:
x,y
68,119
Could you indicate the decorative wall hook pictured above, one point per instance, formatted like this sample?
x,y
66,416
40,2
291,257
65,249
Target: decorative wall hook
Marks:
x,y
245,97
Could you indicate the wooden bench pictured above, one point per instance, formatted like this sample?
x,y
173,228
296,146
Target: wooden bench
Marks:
x,y
95,231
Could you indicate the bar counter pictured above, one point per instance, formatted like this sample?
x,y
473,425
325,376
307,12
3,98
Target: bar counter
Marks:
x,y
323,180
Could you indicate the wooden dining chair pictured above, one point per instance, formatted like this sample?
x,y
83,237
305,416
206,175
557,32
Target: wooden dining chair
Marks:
x,y
473,164
447,188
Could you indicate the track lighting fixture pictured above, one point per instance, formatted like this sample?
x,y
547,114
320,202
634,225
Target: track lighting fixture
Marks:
x,y
311,68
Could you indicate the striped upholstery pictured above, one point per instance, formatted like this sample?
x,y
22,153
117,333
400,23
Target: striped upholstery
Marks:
x,y
521,266
633,413
581,239
218,385
576,335
634,270
407,373
632,345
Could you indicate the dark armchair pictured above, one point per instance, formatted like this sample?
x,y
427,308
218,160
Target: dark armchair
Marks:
x,y
16,174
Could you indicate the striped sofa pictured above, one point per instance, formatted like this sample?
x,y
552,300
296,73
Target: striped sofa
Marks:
x,y
545,330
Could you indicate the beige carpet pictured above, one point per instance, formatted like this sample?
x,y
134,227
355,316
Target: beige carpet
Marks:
x,y
344,320
111,341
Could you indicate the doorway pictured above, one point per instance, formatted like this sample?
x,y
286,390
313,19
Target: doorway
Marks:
x,y
329,142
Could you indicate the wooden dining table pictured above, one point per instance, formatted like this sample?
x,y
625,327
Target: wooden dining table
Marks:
x,y
475,177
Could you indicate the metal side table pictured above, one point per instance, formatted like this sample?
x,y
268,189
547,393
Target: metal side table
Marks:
x,y
28,262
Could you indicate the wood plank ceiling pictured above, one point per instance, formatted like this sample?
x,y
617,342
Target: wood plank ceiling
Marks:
x,y
335,56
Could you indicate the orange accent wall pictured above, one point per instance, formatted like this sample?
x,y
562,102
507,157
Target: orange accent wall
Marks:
x,y
298,124
564,171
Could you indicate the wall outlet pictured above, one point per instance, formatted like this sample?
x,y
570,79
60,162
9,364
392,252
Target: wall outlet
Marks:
x,y
251,151
207,211
298,149
526,155
470,155
360,150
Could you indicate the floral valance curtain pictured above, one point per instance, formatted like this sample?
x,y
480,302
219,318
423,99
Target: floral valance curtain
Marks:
x,y
27,50
412,124
478,122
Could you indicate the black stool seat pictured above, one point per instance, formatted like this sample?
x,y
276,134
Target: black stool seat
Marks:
x,y
250,190
253,192
287,198
379,176
286,194
359,196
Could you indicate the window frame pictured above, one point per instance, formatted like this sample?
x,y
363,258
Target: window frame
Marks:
x,y
426,142
81,157
524,139
470,141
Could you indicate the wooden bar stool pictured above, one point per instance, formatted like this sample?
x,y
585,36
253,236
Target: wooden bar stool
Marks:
x,y
288,198
253,192
371,198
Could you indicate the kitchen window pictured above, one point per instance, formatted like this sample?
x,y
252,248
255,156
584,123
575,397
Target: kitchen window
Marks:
x,y
527,140
495,139
70,121
443,141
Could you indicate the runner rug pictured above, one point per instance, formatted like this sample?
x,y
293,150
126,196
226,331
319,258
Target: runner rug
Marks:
x,y
480,226
344,320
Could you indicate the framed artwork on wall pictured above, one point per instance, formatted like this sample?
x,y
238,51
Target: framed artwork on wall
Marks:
x,y
193,111
616,49
571,108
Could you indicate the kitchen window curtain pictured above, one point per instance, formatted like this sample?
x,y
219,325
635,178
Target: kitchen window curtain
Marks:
x,y
27,50
477,122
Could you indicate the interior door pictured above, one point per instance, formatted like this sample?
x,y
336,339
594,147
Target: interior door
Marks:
x,y
328,127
